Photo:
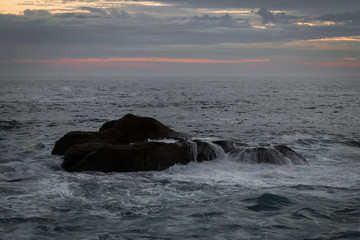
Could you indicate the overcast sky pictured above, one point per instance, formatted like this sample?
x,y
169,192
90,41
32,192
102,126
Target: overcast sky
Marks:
x,y
179,36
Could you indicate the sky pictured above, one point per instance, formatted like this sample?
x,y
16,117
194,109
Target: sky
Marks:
x,y
204,37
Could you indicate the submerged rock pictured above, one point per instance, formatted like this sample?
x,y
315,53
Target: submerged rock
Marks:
x,y
135,143
207,151
272,155
229,146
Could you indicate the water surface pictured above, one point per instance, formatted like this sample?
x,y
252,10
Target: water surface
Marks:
x,y
220,199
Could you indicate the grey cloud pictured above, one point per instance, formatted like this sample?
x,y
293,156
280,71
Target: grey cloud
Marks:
x,y
225,20
114,27
341,17
77,15
94,10
106,14
208,21
18,29
92,13
37,13
317,6
267,16
106,32
114,12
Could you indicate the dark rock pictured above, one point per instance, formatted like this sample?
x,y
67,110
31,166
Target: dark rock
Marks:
x,y
229,146
77,137
294,157
78,152
126,130
272,155
139,128
123,146
207,151
125,158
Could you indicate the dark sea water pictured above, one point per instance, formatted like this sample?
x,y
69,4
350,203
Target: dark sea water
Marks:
x,y
221,199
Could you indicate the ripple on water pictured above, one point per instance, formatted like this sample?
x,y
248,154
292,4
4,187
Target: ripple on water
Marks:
x,y
10,125
268,202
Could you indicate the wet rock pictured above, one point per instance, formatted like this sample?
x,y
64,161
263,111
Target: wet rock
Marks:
x,y
294,157
139,128
207,151
125,158
126,130
78,152
229,146
77,137
272,155
135,143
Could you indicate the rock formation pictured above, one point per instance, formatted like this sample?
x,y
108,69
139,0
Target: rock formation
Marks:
x,y
135,143
126,130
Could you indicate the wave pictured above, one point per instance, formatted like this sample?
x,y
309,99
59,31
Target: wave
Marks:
x,y
9,125
268,202
352,143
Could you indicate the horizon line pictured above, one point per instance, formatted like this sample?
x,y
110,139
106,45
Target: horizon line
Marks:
x,y
136,59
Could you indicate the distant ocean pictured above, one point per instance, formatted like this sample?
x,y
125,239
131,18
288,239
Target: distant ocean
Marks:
x,y
318,117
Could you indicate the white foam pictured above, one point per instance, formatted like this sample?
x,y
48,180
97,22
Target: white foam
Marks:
x,y
205,139
165,140
193,150
224,171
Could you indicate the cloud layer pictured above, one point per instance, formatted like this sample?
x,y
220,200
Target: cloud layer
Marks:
x,y
281,30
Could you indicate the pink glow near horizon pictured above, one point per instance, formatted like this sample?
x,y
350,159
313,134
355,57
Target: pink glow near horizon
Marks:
x,y
339,64
350,59
348,63
136,60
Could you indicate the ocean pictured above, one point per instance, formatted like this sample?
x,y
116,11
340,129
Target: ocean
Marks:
x,y
317,117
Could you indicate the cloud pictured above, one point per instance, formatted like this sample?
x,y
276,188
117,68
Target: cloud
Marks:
x,y
108,13
94,10
271,17
90,31
318,6
225,20
352,17
123,2
37,13
114,12
90,12
127,30
77,15
338,39
210,21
